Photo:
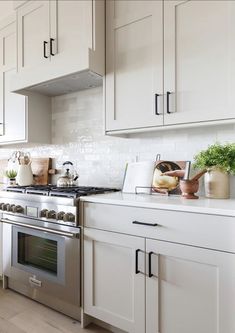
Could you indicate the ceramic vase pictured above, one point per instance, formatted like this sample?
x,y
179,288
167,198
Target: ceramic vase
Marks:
x,y
217,184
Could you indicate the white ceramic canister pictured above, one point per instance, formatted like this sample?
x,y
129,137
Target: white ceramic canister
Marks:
x,y
217,184
24,175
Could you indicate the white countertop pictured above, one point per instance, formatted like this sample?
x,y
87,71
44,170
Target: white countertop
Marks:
x,y
201,205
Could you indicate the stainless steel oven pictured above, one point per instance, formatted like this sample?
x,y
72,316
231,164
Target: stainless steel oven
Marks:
x,y
42,260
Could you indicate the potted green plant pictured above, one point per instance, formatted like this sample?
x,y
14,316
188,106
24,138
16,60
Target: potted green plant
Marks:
x,y
219,161
11,175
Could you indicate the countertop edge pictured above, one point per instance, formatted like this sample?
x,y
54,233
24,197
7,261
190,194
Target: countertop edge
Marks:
x,y
187,207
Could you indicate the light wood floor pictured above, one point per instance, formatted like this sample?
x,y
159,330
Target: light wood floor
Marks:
x,y
18,314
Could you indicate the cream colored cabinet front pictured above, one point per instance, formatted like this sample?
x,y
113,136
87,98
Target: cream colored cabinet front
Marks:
x,y
113,291
1,255
12,106
33,34
199,66
57,38
23,119
198,75
189,289
134,64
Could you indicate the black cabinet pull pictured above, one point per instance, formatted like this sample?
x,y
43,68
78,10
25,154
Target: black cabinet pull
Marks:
x,y
51,46
150,264
168,102
137,261
44,49
156,104
144,223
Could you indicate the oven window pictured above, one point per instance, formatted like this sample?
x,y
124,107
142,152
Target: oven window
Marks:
x,y
37,252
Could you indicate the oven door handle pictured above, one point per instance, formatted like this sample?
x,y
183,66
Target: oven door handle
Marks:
x,y
51,231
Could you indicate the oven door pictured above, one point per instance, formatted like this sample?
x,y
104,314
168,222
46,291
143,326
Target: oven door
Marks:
x,y
43,259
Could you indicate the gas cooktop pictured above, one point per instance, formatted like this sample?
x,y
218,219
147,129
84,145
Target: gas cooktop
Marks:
x,y
54,191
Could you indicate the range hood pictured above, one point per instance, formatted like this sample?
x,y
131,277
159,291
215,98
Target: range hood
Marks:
x,y
67,84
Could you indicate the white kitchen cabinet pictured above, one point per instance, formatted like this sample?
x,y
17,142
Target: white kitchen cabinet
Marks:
x,y
33,26
57,39
191,289
1,255
195,83
113,292
199,66
134,64
24,119
183,288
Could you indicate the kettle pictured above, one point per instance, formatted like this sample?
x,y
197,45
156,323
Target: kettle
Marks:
x,y
69,177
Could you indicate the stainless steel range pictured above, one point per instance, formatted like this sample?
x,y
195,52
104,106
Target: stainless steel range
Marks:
x,y
41,243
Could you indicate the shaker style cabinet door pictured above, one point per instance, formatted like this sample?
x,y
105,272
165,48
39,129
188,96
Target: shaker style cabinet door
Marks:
x,y
199,61
134,64
12,106
189,289
33,34
113,290
71,34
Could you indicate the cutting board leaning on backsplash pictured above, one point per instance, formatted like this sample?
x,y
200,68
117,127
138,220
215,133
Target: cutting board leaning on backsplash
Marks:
x,y
41,168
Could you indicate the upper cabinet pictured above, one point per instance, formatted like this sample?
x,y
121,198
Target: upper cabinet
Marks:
x,y
199,55
134,64
57,39
194,41
33,34
23,119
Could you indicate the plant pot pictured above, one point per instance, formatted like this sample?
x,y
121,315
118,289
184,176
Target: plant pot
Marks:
x,y
12,182
217,184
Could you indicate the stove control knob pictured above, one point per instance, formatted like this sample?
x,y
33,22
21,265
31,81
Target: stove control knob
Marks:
x,y
5,206
1,205
69,217
9,209
60,215
18,209
43,213
51,214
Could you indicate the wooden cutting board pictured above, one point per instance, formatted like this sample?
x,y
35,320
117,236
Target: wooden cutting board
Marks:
x,y
41,168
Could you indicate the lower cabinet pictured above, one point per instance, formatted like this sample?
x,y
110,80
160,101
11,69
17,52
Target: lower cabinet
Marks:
x,y
144,285
113,292
189,289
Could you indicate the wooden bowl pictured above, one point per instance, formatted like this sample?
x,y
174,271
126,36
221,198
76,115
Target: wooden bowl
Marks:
x,y
189,188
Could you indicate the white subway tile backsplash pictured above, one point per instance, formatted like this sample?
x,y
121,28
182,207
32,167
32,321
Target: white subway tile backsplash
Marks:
x,y
78,135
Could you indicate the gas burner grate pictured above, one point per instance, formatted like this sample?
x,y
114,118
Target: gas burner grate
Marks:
x,y
54,191
78,191
19,189
38,189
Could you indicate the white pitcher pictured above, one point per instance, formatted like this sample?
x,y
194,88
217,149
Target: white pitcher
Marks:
x,y
25,175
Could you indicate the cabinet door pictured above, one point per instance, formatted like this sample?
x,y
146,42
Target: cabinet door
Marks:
x,y
1,254
12,106
33,34
199,66
191,290
71,33
113,292
134,64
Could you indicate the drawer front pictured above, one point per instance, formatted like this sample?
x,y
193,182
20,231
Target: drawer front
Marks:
x,y
209,231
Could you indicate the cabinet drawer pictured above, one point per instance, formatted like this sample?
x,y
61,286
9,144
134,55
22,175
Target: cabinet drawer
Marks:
x,y
209,231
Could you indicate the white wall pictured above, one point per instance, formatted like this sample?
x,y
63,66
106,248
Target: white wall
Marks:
x,y
77,128
6,8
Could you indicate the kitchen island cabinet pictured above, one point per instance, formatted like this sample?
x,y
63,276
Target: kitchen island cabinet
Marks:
x,y
22,119
189,263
